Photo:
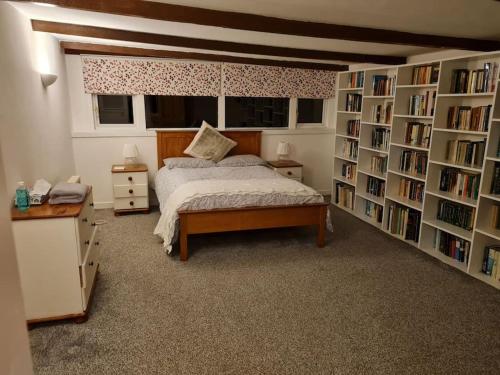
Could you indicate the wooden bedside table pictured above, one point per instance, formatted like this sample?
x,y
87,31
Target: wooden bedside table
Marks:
x,y
130,188
288,168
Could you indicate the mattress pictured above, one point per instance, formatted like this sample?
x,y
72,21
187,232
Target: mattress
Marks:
x,y
222,187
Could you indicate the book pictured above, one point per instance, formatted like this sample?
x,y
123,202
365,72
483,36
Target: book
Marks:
x,y
344,195
469,118
460,183
466,81
374,211
466,152
381,113
413,162
381,138
383,85
422,105
495,180
348,171
425,74
403,222
378,164
456,214
375,186
353,128
350,148
452,246
495,217
411,189
353,102
417,134
355,80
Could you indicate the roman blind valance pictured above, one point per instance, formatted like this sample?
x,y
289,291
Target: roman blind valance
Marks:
x,y
130,76
103,75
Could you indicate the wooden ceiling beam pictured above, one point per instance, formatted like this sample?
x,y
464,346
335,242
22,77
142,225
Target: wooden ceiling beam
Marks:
x,y
76,48
207,44
253,22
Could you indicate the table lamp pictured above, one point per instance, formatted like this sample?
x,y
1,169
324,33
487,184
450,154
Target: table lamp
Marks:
x,y
130,153
283,150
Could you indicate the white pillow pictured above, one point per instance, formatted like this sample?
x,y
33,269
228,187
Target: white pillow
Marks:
x,y
209,144
241,161
187,162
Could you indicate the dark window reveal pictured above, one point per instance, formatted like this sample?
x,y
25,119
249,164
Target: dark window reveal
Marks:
x,y
115,109
310,111
249,112
165,111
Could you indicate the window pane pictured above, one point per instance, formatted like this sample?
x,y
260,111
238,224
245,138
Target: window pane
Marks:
x,y
244,112
310,111
165,111
115,109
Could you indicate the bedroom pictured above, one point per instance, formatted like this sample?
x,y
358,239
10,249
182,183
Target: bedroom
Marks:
x,y
251,278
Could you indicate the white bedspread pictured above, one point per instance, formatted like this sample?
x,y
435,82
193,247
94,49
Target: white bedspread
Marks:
x,y
209,188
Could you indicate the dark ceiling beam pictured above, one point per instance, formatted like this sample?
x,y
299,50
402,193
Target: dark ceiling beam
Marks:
x,y
207,44
252,22
76,48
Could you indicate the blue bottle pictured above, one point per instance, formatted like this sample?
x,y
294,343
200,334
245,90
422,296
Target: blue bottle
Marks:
x,y
22,197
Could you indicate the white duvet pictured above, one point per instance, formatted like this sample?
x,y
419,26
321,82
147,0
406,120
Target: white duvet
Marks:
x,y
220,187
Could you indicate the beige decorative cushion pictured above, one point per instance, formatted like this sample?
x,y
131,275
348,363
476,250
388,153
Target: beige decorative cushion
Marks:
x,y
209,144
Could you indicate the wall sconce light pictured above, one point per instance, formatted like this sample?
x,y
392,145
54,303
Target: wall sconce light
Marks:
x,y
48,79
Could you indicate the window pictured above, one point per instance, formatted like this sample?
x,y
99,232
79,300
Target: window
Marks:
x,y
115,109
243,112
165,111
310,111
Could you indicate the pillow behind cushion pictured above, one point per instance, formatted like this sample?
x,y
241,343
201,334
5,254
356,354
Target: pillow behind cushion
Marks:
x,y
209,144
241,161
186,162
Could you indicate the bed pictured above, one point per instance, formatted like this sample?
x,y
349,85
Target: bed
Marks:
x,y
295,205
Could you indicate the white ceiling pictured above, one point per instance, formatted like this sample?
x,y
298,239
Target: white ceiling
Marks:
x,y
480,18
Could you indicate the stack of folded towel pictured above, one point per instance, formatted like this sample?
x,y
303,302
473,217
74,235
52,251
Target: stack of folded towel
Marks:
x,y
65,192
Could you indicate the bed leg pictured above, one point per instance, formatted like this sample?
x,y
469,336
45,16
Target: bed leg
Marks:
x,y
320,239
183,240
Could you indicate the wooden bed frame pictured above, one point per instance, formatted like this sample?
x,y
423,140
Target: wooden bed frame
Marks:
x,y
173,144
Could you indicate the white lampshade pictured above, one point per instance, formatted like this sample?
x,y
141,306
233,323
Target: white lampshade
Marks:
x,y
283,149
48,79
130,152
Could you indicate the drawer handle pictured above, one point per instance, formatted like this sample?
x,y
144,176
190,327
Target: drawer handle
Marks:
x,y
96,243
289,173
91,204
87,242
91,264
93,224
84,220
130,178
131,203
131,191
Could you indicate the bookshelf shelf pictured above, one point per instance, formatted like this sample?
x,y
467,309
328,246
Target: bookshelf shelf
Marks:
x,y
453,197
347,136
434,95
343,208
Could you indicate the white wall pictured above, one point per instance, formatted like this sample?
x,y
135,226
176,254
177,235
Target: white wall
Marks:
x,y
35,132
95,150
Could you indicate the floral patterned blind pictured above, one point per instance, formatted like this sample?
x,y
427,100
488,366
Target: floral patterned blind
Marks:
x,y
129,76
272,81
103,75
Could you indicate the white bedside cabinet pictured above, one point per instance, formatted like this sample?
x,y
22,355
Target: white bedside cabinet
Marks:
x,y
288,168
58,253
130,188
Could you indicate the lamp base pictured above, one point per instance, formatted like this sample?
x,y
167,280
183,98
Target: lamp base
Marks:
x,y
130,161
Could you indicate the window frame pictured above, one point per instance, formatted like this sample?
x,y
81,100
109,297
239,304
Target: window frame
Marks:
x,y
321,124
136,114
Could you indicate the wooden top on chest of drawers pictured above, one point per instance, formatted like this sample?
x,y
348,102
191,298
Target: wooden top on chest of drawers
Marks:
x,y
49,211
128,168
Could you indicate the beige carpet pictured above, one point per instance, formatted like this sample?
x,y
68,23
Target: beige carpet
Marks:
x,y
272,303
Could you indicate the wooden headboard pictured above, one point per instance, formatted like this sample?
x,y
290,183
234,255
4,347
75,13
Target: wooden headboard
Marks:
x,y
173,143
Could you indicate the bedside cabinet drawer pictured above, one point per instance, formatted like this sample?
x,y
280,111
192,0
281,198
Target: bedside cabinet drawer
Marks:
x,y
131,203
89,269
136,190
86,223
295,172
133,178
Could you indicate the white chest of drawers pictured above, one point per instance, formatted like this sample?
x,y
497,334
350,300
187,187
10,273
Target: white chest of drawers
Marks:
x,y
288,168
130,188
58,252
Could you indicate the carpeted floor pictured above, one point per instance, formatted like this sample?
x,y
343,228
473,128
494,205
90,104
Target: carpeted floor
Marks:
x,y
272,303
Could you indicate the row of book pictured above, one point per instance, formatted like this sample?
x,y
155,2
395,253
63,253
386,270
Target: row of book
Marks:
x,y
465,81
458,182
378,164
456,214
353,102
350,148
411,189
417,134
453,246
413,162
466,152
469,118
381,138
381,113
495,217
344,195
374,211
425,74
356,80
383,85
349,171
495,180
491,262
375,186
422,105
403,222
353,127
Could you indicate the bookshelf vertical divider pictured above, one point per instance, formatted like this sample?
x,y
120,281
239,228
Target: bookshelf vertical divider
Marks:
x,y
429,228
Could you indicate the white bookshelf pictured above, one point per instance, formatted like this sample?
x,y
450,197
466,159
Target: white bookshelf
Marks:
x,y
482,234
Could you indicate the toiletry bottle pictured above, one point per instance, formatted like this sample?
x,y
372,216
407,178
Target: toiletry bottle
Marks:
x,y
22,197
